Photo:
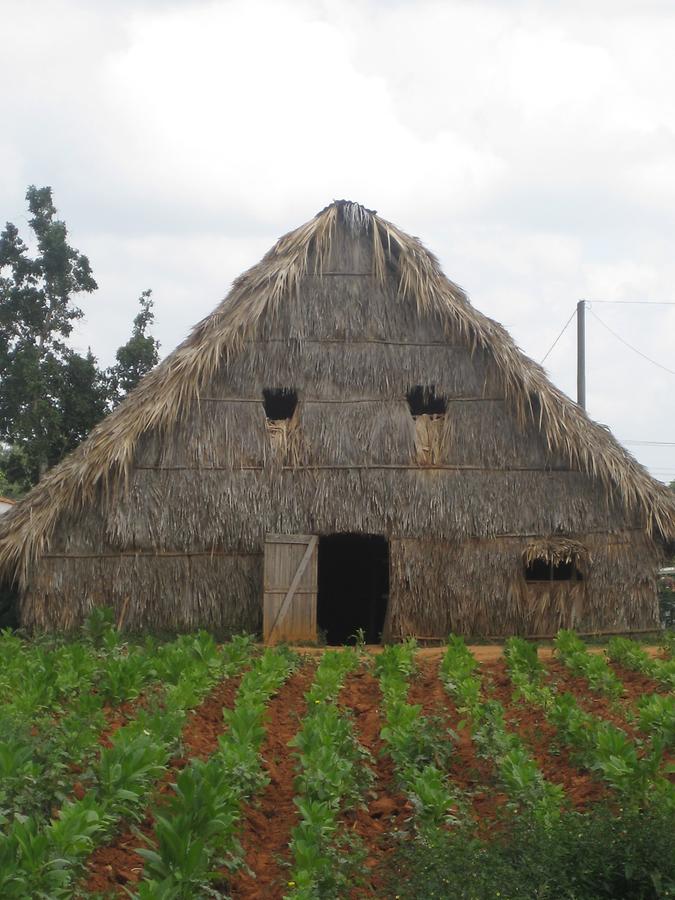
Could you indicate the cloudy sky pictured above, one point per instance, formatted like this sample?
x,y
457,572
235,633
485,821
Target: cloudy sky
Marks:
x,y
530,145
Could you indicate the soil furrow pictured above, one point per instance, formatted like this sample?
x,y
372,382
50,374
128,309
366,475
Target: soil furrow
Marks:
x,y
116,717
117,865
635,683
268,821
387,809
540,737
472,774
596,704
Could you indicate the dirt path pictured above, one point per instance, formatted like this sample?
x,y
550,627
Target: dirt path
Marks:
x,y
268,822
116,865
540,737
482,652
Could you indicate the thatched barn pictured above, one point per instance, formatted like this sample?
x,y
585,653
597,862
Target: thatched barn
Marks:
x,y
344,443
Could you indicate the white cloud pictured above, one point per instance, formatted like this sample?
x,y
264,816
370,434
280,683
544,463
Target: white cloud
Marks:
x,y
531,146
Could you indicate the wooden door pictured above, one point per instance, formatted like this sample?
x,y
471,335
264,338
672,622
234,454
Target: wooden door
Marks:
x,y
290,588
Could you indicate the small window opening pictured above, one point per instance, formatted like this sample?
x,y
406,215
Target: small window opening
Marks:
x,y
423,401
279,403
544,570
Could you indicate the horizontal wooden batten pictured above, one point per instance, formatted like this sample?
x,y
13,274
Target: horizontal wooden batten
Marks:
x,y
152,554
344,400
504,535
269,590
613,541
436,467
348,342
539,637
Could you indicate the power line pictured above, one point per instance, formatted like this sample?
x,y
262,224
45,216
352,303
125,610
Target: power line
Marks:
x,y
630,346
559,336
639,302
651,443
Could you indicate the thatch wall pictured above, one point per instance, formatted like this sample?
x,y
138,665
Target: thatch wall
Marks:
x,y
483,590
176,519
474,587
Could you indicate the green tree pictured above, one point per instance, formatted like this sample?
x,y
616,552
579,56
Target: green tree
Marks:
x,y
50,396
13,481
138,355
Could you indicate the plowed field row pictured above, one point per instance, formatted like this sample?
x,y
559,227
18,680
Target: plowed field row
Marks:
x,y
387,813
428,762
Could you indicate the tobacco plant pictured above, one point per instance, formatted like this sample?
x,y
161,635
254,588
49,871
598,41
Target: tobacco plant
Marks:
x,y
656,714
599,745
419,746
333,776
196,830
631,655
518,773
43,860
592,667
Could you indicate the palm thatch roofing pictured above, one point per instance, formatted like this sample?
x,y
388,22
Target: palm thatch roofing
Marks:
x,y
102,463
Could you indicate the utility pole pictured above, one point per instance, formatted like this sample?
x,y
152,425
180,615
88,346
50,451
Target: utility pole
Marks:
x,y
581,354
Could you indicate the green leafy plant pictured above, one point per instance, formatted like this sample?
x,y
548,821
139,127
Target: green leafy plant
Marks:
x,y
656,714
43,859
419,746
631,655
196,829
592,667
599,745
604,854
519,775
333,776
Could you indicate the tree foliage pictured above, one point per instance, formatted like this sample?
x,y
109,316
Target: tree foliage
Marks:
x,y
138,355
37,367
50,395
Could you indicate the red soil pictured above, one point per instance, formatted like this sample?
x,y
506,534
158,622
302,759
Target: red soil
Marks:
x,y
593,702
604,709
636,683
530,724
387,809
112,867
116,717
471,773
268,822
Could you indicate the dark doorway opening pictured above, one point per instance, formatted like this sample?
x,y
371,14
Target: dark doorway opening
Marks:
x,y
353,586
9,605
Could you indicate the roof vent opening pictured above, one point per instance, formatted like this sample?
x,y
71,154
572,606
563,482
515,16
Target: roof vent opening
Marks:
x,y
424,401
279,403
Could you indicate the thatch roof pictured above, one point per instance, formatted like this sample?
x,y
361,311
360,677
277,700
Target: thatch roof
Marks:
x,y
103,461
